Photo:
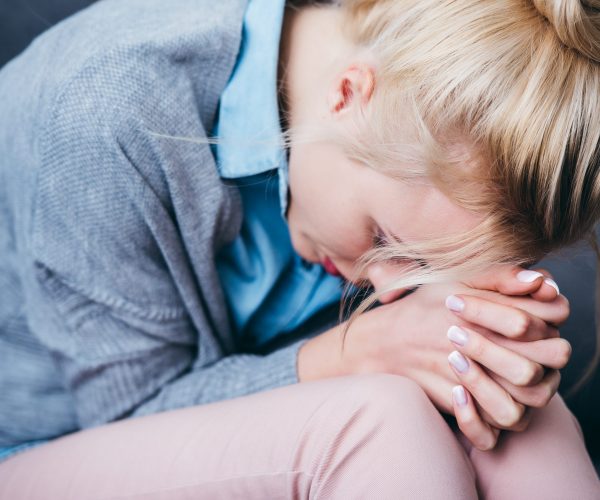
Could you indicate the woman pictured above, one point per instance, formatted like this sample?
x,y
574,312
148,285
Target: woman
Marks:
x,y
132,279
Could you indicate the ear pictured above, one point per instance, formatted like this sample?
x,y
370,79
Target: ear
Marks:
x,y
354,86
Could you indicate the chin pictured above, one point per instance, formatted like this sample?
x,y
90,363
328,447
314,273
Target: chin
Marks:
x,y
301,250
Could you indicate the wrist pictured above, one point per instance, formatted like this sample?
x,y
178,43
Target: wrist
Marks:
x,y
316,358
323,357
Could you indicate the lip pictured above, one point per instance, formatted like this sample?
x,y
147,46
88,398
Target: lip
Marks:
x,y
330,267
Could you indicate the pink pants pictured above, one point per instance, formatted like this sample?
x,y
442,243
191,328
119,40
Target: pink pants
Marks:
x,y
362,437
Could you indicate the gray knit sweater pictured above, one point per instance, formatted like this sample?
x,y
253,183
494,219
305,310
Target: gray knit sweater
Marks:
x,y
110,303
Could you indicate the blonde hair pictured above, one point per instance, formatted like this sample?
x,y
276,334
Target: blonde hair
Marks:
x,y
505,98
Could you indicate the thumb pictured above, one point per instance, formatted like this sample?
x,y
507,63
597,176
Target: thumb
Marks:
x,y
508,280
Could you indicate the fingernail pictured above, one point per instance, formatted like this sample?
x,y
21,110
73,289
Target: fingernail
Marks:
x,y
454,303
553,284
458,361
459,395
457,335
528,276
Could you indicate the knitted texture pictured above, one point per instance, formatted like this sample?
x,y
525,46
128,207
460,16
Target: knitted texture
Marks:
x,y
110,302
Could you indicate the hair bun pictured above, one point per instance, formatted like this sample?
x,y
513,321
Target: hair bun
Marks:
x,y
577,23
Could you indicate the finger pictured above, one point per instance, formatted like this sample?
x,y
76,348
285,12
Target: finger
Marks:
x,y
491,396
508,280
437,388
481,434
506,320
537,396
515,368
521,425
554,312
552,353
549,290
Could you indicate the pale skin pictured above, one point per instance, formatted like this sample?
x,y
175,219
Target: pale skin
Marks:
x,y
337,206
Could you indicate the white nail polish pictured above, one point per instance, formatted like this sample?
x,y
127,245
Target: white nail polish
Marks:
x,y
454,303
458,361
528,276
553,284
459,395
457,335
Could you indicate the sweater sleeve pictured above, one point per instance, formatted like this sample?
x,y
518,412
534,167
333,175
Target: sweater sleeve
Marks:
x,y
126,222
117,365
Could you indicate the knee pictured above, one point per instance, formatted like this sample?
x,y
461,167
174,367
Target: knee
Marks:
x,y
380,402
387,424
386,395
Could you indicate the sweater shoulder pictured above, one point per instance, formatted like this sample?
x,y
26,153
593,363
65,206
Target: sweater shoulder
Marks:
x,y
146,61
114,171
121,54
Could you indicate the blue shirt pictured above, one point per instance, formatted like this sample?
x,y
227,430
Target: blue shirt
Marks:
x,y
270,290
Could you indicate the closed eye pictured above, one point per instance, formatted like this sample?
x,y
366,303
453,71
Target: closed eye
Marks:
x,y
380,239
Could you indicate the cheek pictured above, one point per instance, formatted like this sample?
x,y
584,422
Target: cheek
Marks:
x,y
346,237
324,206
317,224
310,187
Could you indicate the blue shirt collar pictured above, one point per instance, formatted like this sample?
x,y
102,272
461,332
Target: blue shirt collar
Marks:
x,y
248,125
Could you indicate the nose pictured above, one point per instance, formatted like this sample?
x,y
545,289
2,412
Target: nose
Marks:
x,y
381,275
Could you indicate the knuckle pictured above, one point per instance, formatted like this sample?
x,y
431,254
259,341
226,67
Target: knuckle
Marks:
x,y
487,444
551,332
563,353
476,347
558,377
524,422
467,421
546,396
546,390
521,324
529,374
542,396
511,415
472,382
521,425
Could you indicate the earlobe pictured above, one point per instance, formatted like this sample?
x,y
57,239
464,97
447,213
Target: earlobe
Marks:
x,y
354,85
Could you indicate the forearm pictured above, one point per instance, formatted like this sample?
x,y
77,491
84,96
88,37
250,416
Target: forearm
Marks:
x,y
323,356
233,376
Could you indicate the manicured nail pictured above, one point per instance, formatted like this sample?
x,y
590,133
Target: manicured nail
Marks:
x,y
459,395
553,284
457,335
528,276
458,361
454,303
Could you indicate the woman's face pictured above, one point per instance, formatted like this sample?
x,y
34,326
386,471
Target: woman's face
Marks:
x,y
338,207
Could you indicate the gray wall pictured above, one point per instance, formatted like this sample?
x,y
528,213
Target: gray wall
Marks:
x,y
22,20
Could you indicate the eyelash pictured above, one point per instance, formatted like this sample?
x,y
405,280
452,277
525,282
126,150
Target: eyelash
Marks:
x,y
379,238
